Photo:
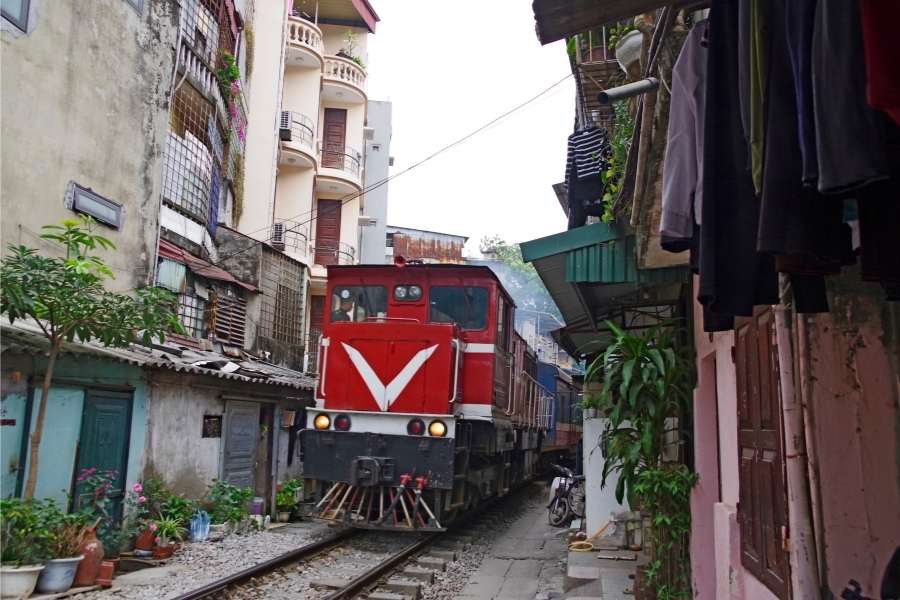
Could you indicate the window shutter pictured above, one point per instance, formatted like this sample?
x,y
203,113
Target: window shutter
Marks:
x,y
762,512
230,319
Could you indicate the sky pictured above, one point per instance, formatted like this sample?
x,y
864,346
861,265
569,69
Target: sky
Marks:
x,y
446,74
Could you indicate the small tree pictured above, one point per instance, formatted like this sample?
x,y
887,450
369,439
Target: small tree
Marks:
x,y
66,297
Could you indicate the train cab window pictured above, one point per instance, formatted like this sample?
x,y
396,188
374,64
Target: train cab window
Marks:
x,y
357,303
465,306
503,325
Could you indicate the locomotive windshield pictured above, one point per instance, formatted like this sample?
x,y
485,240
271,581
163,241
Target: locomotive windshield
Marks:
x,y
465,306
358,302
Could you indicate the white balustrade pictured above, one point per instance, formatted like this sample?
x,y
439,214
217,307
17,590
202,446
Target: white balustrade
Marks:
x,y
345,71
303,33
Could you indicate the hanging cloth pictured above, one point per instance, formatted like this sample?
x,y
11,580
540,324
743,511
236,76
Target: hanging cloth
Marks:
x,y
882,45
587,157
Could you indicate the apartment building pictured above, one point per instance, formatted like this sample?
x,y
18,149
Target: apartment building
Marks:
x,y
373,232
306,135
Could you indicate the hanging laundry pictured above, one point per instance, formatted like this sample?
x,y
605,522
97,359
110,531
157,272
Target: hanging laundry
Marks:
x,y
800,17
733,275
682,190
758,52
588,156
882,46
850,135
804,228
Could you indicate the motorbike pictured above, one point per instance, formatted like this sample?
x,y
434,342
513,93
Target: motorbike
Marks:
x,y
567,497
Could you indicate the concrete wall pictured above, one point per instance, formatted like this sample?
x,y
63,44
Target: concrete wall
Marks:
x,y
176,449
377,153
301,92
600,501
84,100
264,99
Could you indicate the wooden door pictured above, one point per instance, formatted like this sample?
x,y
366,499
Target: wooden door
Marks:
x,y
104,440
328,231
241,438
335,132
762,511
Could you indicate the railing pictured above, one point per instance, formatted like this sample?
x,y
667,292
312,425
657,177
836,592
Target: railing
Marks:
x,y
346,254
303,33
296,127
289,236
346,71
348,160
197,68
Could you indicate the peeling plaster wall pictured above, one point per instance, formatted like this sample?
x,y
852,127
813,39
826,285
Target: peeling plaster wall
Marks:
x,y
853,386
85,100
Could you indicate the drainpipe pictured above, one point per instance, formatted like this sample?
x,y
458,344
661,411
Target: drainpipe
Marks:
x,y
802,546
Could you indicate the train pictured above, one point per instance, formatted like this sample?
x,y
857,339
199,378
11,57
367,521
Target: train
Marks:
x,y
428,402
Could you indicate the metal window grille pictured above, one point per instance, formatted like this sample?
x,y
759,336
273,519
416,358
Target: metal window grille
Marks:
x,y
282,304
191,312
200,26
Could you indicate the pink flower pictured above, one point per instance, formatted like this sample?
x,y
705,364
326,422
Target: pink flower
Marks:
x,y
138,488
152,527
158,541
142,499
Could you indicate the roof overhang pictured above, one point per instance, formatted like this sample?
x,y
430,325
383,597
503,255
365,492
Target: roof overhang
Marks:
x,y
557,19
591,274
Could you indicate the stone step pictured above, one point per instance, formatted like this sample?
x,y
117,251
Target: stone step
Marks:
x,y
413,589
426,575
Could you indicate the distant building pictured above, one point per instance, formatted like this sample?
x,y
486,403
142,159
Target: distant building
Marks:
x,y
427,246
373,221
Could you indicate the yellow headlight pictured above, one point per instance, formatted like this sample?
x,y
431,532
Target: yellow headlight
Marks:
x,y
322,422
437,429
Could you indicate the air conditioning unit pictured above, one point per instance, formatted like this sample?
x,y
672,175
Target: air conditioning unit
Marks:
x,y
278,236
284,126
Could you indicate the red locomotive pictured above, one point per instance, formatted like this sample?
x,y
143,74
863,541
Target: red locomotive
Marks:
x,y
427,401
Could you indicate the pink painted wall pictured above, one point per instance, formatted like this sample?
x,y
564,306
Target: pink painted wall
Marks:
x,y
853,390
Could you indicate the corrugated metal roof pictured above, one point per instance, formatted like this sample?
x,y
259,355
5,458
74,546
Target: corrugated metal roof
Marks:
x,y
26,337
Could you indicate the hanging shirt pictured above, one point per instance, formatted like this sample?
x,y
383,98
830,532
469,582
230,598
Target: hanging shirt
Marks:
x,y
882,45
588,156
757,55
733,275
800,17
849,133
682,190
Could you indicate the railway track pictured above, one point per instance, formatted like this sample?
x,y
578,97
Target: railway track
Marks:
x,y
355,563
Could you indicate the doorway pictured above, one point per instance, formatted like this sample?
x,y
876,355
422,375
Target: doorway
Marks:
x,y
241,438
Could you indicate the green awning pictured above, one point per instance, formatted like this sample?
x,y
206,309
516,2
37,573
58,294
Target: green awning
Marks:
x,y
591,273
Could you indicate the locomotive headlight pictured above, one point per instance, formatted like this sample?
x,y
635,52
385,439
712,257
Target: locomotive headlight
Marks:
x,y
400,292
416,427
437,429
322,421
415,292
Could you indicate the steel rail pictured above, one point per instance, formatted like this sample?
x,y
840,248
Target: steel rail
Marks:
x,y
269,565
358,585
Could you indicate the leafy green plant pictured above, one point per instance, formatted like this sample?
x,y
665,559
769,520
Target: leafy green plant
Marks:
x,y
228,73
25,538
229,503
616,33
66,529
66,297
665,494
170,529
620,143
645,382
286,497
180,508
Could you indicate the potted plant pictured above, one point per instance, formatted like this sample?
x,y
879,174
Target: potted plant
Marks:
x,y
228,505
66,536
286,498
626,42
169,531
24,542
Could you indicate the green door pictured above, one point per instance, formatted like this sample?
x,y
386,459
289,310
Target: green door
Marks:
x,y
103,445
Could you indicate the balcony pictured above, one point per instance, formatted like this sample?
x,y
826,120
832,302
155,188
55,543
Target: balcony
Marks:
x,y
339,171
344,81
291,237
296,132
304,44
330,253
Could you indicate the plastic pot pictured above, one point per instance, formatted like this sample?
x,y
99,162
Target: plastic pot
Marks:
x,y
58,575
18,582
284,516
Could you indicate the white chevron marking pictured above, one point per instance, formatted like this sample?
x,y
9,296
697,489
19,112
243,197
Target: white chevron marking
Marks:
x,y
386,395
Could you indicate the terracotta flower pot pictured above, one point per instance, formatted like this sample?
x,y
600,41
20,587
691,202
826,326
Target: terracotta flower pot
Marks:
x,y
166,551
107,572
146,540
92,549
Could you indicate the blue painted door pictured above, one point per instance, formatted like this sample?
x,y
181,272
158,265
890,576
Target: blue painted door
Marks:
x,y
103,445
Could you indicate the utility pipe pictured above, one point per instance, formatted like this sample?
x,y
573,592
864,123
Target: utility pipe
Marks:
x,y
812,461
623,92
802,547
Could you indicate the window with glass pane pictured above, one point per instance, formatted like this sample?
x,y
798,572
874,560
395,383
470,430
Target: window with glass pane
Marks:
x,y
16,12
191,309
358,302
465,306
